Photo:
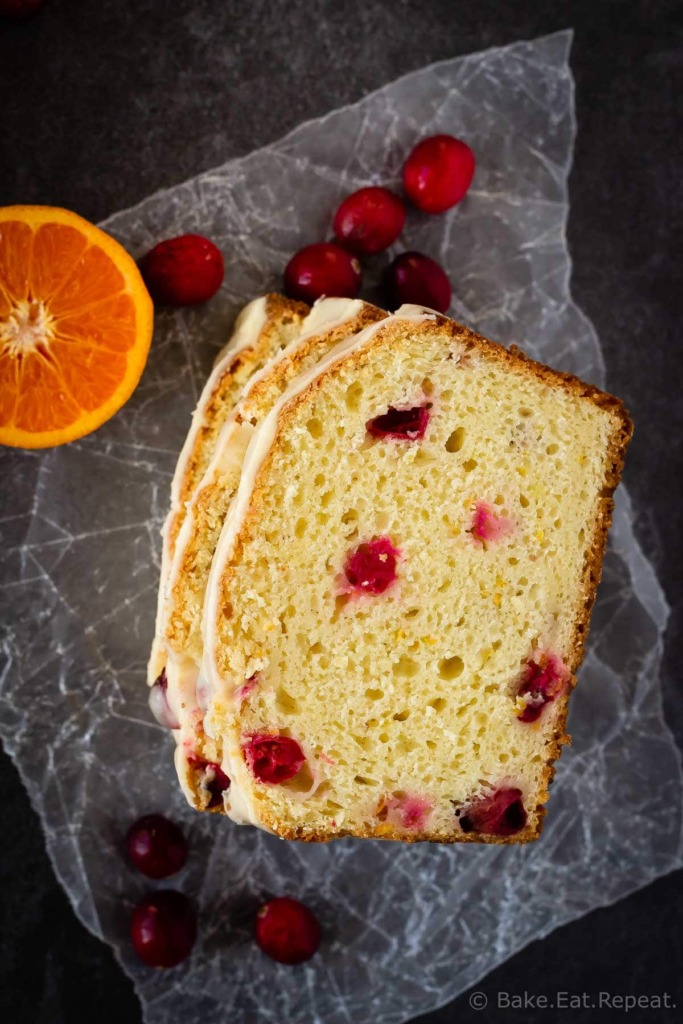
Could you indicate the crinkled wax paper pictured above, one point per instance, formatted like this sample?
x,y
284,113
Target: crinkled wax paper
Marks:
x,y
407,927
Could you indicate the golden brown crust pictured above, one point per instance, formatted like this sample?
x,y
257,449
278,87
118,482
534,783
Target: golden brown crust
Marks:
x,y
621,432
262,396
280,312
285,369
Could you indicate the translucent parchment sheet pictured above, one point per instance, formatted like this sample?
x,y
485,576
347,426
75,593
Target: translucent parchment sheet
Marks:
x,y
407,928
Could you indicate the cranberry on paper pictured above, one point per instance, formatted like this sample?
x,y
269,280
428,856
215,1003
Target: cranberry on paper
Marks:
x,y
438,173
287,931
322,269
418,280
163,928
156,846
183,271
369,220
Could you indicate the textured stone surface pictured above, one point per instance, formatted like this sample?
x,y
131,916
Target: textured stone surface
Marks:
x,y
624,280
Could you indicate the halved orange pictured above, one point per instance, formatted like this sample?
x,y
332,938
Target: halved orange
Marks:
x,y
75,326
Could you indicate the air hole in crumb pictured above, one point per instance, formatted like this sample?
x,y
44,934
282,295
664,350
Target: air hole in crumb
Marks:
x,y
300,528
350,516
439,703
354,393
340,603
314,427
524,501
552,448
384,737
286,704
451,668
456,439
302,781
470,465
401,716
362,781
422,457
405,667
524,411
432,744
316,648
374,694
319,480
412,612
427,386
513,561
405,744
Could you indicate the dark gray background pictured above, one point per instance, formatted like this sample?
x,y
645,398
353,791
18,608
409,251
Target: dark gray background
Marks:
x,y
103,102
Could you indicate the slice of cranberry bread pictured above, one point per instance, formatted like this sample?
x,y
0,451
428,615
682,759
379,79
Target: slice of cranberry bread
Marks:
x,y
400,597
263,327
330,321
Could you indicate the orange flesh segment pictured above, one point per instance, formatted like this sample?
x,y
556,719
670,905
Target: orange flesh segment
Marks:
x,y
56,248
43,402
109,325
16,243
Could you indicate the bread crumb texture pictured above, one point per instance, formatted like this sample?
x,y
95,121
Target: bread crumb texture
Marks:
x,y
409,702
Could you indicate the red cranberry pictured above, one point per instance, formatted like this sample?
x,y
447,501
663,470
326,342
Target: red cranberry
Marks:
x,y
411,812
542,683
371,568
273,759
20,9
369,220
500,814
287,931
438,173
401,424
158,703
214,779
163,928
183,271
322,269
415,278
488,526
156,846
